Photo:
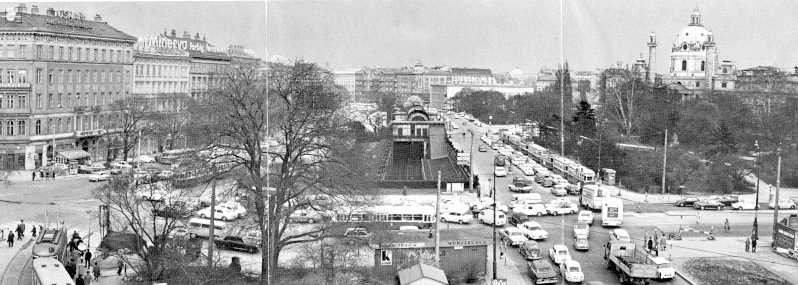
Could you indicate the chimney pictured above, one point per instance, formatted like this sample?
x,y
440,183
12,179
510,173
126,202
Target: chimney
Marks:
x,y
186,35
34,9
174,33
98,18
50,12
22,8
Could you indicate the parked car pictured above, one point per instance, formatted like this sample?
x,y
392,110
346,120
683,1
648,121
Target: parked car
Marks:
x,y
166,174
235,207
744,205
357,235
728,200
561,207
100,176
235,243
483,148
532,230
530,250
585,217
581,243
521,188
783,204
571,271
685,202
460,215
146,159
121,164
500,171
708,204
176,211
220,213
305,216
573,189
665,270
559,190
559,253
512,236
532,209
581,229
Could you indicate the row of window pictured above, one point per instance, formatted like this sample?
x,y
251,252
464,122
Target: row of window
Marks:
x,y
61,100
13,76
12,51
60,125
159,87
81,76
11,101
82,54
152,70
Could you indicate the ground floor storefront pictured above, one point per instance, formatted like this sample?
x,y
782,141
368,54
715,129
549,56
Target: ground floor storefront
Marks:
x,y
35,153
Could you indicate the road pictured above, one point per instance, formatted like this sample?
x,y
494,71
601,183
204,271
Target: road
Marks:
x,y
560,228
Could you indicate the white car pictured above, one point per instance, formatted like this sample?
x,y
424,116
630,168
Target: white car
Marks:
x,y
500,171
457,216
146,159
585,217
100,176
532,230
559,253
744,205
561,208
527,170
783,204
486,217
530,209
665,270
221,213
621,235
571,271
235,207
121,164
512,236
151,194
581,229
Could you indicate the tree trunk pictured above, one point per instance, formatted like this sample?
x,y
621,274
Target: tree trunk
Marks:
x,y
125,147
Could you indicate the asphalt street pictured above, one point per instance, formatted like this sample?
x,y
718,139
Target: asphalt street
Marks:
x,y
560,228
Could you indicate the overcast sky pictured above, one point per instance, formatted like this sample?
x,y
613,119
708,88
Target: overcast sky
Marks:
x,y
505,34
223,23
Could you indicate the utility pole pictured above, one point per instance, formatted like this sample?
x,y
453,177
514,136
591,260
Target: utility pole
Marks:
x,y
664,160
437,223
470,163
755,231
493,226
776,203
211,229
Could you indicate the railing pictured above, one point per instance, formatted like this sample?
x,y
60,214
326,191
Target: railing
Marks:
x,y
14,85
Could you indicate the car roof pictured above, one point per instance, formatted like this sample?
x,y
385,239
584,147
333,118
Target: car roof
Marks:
x,y
585,212
660,260
511,229
572,263
620,232
560,247
531,223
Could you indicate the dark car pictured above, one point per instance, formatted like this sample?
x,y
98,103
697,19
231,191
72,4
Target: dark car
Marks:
x,y
728,200
685,202
483,148
517,218
236,243
713,204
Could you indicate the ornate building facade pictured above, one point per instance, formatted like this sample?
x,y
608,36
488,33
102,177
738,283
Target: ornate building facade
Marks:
x,y
59,74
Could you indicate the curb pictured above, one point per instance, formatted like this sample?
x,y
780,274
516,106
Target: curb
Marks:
x,y
688,280
21,248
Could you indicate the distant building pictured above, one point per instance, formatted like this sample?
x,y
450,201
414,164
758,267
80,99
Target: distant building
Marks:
x,y
347,78
545,79
439,94
472,76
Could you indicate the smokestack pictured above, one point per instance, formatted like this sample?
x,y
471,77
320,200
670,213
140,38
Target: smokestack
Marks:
x,y
174,33
34,9
22,8
98,18
50,12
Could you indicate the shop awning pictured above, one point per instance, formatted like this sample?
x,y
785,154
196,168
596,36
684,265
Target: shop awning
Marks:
x,y
74,154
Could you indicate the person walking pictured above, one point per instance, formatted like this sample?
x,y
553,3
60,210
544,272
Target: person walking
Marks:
x,y
753,245
650,245
33,231
96,270
10,239
747,244
33,176
87,279
79,280
120,267
726,225
87,258
19,232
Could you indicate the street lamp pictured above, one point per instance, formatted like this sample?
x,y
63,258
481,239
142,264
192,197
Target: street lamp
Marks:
x,y
495,209
471,161
755,231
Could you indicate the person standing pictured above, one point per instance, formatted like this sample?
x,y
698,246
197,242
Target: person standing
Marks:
x,y
33,231
748,244
96,270
87,279
10,239
87,258
726,225
753,245
79,280
120,267
33,176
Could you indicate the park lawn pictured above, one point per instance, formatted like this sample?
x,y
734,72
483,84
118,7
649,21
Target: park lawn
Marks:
x,y
728,270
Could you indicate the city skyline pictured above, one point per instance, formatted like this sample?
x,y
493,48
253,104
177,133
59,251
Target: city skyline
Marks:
x,y
223,23
360,33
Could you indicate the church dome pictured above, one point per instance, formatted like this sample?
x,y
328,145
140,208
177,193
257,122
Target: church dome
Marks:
x,y
694,36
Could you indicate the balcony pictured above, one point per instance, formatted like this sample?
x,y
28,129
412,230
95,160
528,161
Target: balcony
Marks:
x,y
80,109
15,85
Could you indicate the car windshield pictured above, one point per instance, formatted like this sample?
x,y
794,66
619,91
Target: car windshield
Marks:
x,y
532,227
580,226
574,269
585,214
514,233
562,252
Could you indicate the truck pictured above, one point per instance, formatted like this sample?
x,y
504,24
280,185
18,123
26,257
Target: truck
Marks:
x,y
500,160
235,243
631,263
542,272
592,197
612,212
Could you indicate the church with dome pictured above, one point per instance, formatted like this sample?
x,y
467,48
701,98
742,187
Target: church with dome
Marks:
x,y
694,65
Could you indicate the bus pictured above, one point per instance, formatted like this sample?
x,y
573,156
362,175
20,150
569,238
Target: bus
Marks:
x,y
592,197
612,212
389,217
50,271
51,243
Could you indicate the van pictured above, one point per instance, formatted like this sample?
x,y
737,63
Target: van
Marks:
x,y
533,197
486,217
202,227
621,235
530,250
665,270
517,218
461,215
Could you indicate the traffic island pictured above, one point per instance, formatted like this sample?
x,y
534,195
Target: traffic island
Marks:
x,y
728,270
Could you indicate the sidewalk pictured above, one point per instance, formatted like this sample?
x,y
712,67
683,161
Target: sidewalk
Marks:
x,y
514,273
683,250
25,175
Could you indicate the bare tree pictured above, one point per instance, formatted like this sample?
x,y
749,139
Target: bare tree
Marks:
x,y
297,107
621,90
130,122
133,206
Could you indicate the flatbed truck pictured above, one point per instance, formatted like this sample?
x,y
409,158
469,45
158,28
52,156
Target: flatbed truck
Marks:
x,y
630,263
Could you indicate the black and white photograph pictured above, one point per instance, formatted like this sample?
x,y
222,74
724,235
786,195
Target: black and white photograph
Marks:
x,y
399,142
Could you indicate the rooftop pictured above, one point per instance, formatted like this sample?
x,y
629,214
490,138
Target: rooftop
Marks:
x,y
61,24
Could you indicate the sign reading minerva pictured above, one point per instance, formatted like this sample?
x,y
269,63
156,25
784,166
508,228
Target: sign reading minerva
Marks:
x,y
181,44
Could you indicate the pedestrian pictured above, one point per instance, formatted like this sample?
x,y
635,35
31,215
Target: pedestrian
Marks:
x,y
10,239
96,270
747,244
120,267
726,225
33,176
70,268
753,245
19,232
87,258
75,235
33,231
501,257
79,280
87,279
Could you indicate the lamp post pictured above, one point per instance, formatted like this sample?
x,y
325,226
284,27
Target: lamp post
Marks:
x,y
755,231
495,209
776,202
